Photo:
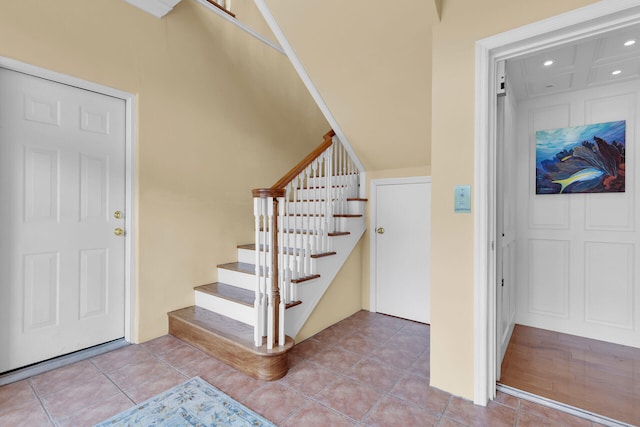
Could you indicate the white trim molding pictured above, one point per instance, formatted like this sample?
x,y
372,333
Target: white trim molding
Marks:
x,y
239,24
594,19
130,168
157,8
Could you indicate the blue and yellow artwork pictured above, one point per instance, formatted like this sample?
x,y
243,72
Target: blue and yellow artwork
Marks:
x,y
581,159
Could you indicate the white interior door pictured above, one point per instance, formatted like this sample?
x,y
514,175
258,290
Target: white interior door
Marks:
x,y
402,254
506,144
63,179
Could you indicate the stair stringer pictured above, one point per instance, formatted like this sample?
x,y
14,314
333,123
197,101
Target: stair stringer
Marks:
x,y
312,291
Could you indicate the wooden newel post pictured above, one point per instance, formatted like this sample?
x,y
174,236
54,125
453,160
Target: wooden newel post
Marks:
x,y
272,264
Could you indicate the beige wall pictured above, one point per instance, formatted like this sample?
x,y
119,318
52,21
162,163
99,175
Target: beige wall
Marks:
x,y
219,113
452,264
372,66
342,298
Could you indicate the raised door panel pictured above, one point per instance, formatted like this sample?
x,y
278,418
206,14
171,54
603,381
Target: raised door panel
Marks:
x,y
609,282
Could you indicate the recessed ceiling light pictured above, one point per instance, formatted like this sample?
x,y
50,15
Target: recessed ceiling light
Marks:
x,y
548,63
630,42
616,72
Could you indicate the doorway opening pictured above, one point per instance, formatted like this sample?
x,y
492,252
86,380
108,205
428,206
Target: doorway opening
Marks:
x,y
528,44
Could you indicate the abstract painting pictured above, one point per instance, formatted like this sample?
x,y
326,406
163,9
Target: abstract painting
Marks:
x,y
581,159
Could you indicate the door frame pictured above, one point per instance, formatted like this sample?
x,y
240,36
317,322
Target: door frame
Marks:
x,y
130,173
580,23
373,196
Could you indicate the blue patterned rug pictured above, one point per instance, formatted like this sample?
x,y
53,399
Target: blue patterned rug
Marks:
x,y
193,403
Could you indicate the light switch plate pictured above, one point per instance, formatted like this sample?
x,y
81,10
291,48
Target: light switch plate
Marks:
x,y
462,199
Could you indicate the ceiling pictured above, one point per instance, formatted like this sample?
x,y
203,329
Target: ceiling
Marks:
x,y
577,65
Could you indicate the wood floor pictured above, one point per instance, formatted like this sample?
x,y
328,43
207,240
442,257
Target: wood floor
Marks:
x,y
593,375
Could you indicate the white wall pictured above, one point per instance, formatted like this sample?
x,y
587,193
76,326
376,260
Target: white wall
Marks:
x,y
577,253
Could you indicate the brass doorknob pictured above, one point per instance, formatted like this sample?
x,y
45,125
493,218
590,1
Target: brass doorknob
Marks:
x,y
118,231
380,230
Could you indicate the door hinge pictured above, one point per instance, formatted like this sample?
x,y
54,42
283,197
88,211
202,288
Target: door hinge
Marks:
x,y
501,79
503,283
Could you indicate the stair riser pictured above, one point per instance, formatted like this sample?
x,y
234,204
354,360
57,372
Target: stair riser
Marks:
x,y
341,224
307,207
304,194
320,181
239,312
353,207
262,366
308,223
313,263
305,222
246,255
292,239
356,207
236,278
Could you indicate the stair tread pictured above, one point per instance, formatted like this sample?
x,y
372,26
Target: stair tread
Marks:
x,y
339,233
293,304
242,267
313,187
304,279
348,215
228,292
230,329
217,323
356,199
252,247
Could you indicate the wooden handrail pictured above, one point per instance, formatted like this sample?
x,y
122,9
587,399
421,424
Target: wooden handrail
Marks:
x,y
222,8
264,193
297,169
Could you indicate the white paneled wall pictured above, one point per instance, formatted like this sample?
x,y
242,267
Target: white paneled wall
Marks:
x,y
577,254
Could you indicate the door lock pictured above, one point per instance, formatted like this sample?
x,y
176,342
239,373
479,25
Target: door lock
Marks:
x,y
117,215
380,230
118,231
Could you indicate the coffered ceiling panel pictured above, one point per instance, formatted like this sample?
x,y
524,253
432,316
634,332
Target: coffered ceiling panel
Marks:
x,y
600,60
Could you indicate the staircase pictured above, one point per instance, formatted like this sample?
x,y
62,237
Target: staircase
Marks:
x,y
306,225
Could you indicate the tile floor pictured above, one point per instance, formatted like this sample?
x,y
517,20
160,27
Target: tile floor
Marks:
x,y
368,370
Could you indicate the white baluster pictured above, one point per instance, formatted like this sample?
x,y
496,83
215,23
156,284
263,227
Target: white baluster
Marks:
x,y
281,273
257,333
315,213
263,267
269,282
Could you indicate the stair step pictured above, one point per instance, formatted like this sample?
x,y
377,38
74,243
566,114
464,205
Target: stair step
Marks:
x,y
241,267
356,199
230,341
304,279
228,292
252,247
292,304
339,233
240,274
348,215
227,300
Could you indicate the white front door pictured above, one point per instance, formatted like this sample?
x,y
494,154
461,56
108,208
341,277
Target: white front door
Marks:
x,y
62,174
402,249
